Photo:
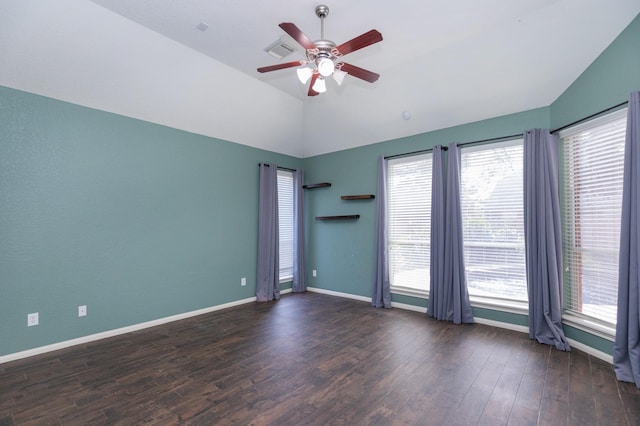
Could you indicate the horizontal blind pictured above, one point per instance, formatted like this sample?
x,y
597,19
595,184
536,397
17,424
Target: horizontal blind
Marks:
x,y
491,193
285,226
409,220
593,163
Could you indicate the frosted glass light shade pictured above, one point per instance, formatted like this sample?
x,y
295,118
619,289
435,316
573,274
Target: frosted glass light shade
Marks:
x,y
319,86
326,67
304,74
338,76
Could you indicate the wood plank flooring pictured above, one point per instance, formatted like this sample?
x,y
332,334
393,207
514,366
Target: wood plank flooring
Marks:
x,y
319,360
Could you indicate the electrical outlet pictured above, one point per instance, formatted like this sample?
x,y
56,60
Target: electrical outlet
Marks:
x,y
315,274
82,311
243,281
33,319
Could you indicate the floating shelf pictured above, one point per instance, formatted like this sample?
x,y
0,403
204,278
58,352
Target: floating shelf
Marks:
x,y
316,185
343,217
358,197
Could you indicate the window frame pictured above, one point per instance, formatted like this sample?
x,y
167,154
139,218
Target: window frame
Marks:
x,y
589,323
285,273
415,158
497,302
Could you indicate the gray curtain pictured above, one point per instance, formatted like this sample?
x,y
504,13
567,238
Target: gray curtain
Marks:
x,y
543,238
437,307
626,350
268,273
299,269
455,304
381,297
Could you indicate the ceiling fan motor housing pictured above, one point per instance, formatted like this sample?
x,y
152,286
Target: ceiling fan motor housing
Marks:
x,y
325,49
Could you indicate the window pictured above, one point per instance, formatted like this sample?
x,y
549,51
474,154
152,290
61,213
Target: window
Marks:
x,y
285,223
491,192
593,157
409,221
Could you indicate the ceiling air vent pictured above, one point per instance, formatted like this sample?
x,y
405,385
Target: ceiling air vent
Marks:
x,y
279,49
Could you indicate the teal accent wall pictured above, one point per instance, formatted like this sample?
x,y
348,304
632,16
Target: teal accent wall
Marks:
x,y
501,316
135,220
343,252
605,83
591,340
410,300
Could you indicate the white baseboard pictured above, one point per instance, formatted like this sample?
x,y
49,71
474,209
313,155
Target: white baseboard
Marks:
x,y
339,294
591,351
111,333
408,307
520,328
500,324
119,331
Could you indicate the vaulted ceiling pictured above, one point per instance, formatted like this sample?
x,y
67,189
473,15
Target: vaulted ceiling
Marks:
x,y
445,63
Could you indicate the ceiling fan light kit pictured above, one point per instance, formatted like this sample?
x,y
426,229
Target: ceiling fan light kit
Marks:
x,y
325,57
319,85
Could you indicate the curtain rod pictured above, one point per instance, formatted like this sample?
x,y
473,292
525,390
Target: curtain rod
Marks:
x,y
444,148
582,120
279,167
407,154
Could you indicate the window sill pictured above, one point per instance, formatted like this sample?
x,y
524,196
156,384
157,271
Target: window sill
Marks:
x,y
503,305
589,326
511,306
412,292
286,279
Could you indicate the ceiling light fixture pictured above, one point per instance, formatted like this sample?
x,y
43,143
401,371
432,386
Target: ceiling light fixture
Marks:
x,y
325,57
326,67
320,86
304,74
338,76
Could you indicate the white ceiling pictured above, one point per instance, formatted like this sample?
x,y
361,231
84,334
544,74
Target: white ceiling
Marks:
x,y
445,62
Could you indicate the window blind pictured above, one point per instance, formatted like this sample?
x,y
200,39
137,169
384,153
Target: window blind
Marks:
x,y
491,193
285,222
593,162
409,221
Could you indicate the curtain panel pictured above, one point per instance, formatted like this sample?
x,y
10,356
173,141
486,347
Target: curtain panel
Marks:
x,y
626,350
543,238
437,306
268,269
381,297
457,304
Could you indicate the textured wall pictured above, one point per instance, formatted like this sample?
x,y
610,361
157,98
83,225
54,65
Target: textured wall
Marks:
x,y
607,82
135,220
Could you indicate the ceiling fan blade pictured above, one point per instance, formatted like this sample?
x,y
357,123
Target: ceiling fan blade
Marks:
x,y
312,92
359,42
281,66
297,35
360,73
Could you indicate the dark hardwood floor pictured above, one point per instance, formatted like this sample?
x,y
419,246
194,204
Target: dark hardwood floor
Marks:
x,y
315,359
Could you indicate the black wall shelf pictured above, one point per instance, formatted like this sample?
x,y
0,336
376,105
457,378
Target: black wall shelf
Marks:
x,y
341,217
358,197
316,185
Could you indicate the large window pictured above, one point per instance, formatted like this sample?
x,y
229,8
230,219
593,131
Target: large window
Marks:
x,y
409,221
593,156
285,223
491,188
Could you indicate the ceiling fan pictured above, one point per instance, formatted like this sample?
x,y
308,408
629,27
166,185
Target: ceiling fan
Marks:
x,y
325,56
